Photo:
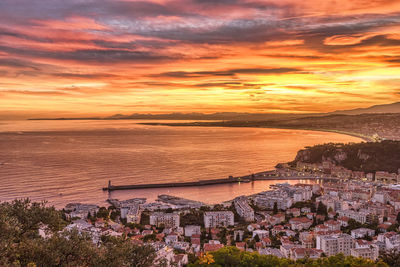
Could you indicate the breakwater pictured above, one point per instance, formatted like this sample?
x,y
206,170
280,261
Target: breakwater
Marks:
x,y
242,179
111,187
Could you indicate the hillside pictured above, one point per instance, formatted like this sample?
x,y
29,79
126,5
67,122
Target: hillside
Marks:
x,y
366,157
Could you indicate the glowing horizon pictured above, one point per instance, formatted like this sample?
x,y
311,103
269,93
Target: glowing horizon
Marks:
x,y
87,57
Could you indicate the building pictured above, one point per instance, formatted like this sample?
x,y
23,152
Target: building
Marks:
x,y
268,199
261,233
214,219
301,253
371,252
243,208
134,214
168,220
344,221
181,260
306,239
362,232
386,177
358,216
79,210
300,223
335,244
391,240
191,230
332,225
276,219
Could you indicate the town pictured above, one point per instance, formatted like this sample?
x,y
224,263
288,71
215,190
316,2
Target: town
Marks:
x,y
349,212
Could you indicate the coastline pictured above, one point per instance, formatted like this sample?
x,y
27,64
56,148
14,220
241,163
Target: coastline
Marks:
x,y
197,124
216,123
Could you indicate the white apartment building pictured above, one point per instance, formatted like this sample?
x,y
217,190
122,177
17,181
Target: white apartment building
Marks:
x,y
243,209
268,201
359,216
218,218
362,232
371,252
134,214
169,220
192,230
335,244
302,194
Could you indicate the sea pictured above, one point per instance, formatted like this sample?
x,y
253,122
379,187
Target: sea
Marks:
x,y
63,161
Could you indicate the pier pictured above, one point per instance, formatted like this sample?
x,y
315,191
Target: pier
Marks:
x,y
243,179
182,184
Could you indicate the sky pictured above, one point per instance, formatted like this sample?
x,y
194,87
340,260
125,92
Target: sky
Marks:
x,y
102,57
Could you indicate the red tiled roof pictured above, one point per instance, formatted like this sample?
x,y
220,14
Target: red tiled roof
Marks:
x,y
212,247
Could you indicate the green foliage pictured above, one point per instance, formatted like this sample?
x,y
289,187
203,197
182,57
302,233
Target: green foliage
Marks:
x,y
393,228
304,204
222,235
21,245
114,214
275,210
391,257
148,238
275,242
103,213
194,217
322,210
231,256
22,219
145,218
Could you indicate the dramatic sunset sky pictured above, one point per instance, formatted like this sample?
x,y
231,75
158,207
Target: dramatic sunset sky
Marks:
x,y
101,57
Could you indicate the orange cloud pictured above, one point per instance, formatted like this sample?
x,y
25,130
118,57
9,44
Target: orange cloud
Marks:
x,y
164,56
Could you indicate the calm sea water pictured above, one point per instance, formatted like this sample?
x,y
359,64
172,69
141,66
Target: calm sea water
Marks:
x,y
69,161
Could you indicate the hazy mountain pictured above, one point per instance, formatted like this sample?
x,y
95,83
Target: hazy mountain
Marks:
x,y
237,116
386,108
213,116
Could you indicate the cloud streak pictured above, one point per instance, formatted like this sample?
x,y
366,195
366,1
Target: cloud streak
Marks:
x,y
189,55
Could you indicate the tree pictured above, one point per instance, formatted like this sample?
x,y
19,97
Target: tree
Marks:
x,y
398,217
231,256
393,228
322,210
103,213
120,252
114,214
390,257
194,217
145,219
275,208
353,224
21,245
169,210
151,237
237,238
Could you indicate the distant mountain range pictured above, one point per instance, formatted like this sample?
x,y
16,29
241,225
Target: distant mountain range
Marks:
x,y
234,116
212,116
386,108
